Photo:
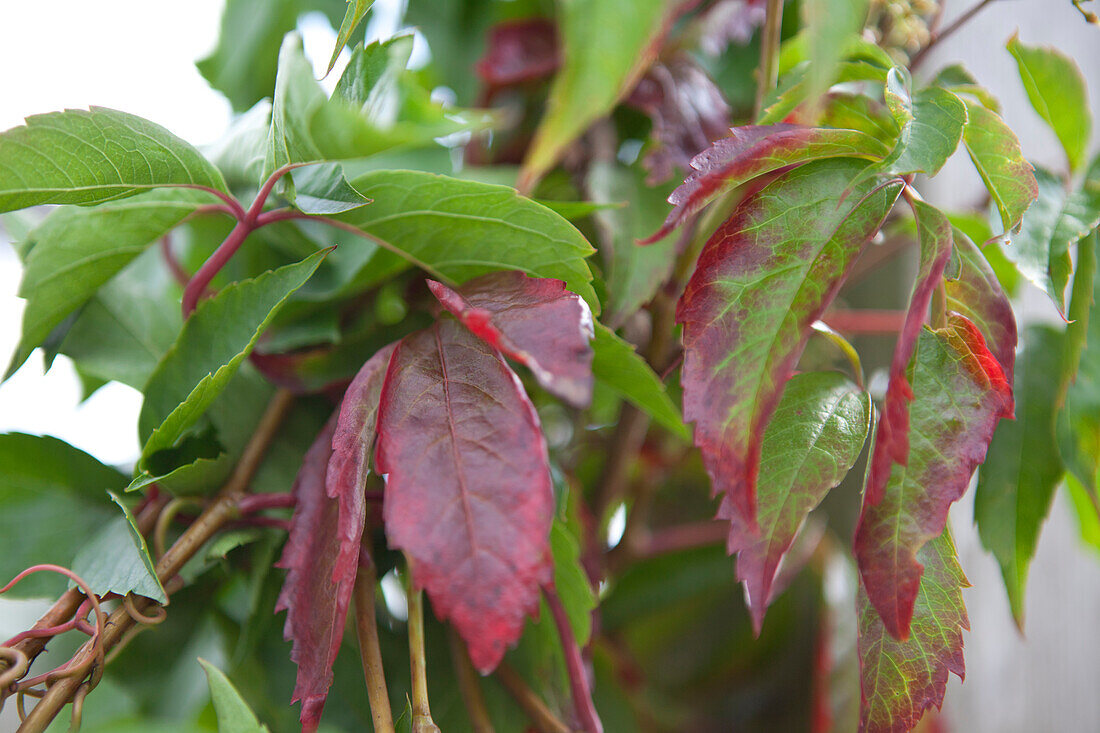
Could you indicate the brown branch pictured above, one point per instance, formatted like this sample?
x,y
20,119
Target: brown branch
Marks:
x,y
469,686
947,32
769,55
219,513
370,653
541,716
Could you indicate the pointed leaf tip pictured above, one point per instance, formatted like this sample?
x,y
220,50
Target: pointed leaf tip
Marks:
x,y
535,321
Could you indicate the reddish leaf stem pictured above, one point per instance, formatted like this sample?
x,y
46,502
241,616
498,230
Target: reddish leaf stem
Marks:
x,y
232,205
196,286
178,273
253,503
574,664
867,321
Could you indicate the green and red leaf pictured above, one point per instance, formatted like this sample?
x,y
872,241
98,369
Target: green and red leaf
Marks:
x,y
753,150
900,680
960,394
535,321
761,281
813,439
468,489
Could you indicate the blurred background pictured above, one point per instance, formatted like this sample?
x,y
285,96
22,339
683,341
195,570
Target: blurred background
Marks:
x,y
139,56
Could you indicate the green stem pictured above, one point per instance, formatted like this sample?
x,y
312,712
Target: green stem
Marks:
x,y
370,653
769,55
422,715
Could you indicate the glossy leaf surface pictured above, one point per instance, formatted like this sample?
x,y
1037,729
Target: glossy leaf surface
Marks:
x,y
598,69
959,396
764,277
931,123
1056,88
535,321
619,367
75,251
318,583
468,492
214,341
78,157
995,152
47,478
900,680
1017,482
753,150
975,292
463,228
812,441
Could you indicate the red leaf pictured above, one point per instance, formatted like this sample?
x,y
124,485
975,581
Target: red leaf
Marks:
x,y
753,150
535,321
314,595
976,293
687,110
764,277
519,51
900,680
892,438
468,492
960,394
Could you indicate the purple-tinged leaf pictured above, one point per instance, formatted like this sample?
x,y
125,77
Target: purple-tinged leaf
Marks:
x,y
761,281
315,601
995,151
900,680
468,490
535,321
960,394
518,52
813,439
687,110
754,150
349,465
975,292
892,436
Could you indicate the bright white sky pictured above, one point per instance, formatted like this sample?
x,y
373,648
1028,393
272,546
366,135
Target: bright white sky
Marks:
x,y
133,55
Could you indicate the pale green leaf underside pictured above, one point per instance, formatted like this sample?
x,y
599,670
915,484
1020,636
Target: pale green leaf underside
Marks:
x,y
86,157
117,560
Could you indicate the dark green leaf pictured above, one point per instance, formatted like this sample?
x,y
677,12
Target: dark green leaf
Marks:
x,y
1057,91
599,66
116,559
213,343
74,251
1056,220
995,151
462,229
1022,469
56,490
619,367
234,715
78,157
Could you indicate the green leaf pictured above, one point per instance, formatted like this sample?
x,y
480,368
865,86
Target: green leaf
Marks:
x,y
323,189
52,488
116,559
794,88
931,124
78,157
900,680
462,229
1055,221
607,46
210,348
352,17
124,330
957,79
371,80
571,582
1078,427
619,367
1057,91
813,439
1022,468
242,66
75,251
830,25
297,98
995,152
636,272
234,715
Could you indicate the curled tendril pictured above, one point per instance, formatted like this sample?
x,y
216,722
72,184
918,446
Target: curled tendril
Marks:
x,y
158,616
17,667
164,520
